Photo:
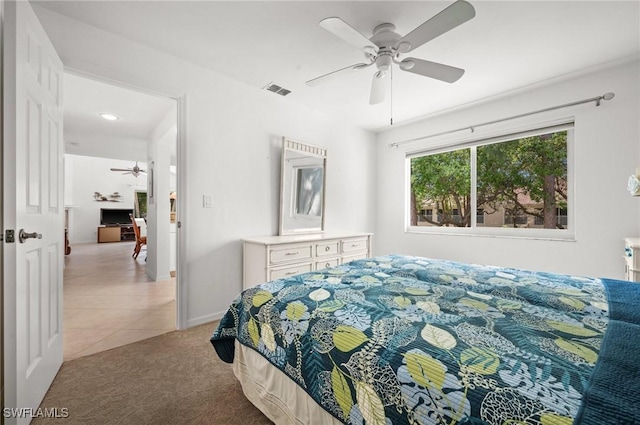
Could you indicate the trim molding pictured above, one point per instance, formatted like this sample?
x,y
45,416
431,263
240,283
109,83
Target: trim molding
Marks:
x,y
207,318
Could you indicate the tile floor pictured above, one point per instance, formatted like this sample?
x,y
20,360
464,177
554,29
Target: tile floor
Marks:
x,y
109,300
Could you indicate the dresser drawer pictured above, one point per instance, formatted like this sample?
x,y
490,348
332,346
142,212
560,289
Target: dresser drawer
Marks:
x,y
289,271
325,264
354,245
325,249
291,253
360,256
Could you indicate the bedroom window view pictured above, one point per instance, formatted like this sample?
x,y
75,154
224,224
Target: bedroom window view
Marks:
x,y
519,183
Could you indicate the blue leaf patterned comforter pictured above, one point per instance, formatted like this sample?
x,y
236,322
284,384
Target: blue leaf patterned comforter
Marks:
x,y
410,340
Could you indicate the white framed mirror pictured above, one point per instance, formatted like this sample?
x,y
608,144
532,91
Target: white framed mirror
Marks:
x,y
302,188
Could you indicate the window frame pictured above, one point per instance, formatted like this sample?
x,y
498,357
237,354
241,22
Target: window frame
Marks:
x,y
568,234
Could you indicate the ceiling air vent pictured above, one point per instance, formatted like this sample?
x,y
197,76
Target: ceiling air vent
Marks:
x,y
277,89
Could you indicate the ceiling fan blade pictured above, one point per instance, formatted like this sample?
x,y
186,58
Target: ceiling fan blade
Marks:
x,y
454,15
325,77
429,69
378,88
342,30
120,169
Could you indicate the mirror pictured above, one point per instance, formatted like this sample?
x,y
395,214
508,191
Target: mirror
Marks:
x,y
302,188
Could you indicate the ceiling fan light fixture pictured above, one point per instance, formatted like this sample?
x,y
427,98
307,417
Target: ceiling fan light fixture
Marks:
x,y
383,62
109,117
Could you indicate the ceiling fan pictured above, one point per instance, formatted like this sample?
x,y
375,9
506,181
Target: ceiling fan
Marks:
x,y
135,170
385,46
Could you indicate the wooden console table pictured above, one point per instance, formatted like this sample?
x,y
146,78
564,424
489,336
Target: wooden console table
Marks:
x,y
115,234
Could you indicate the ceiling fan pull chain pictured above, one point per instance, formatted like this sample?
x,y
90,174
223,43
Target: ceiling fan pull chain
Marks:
x,y
391,97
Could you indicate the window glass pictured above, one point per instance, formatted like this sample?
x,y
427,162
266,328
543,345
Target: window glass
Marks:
x,y
441,182
523,182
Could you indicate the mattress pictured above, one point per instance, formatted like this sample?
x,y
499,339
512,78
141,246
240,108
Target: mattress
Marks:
x,y
274,393
406,340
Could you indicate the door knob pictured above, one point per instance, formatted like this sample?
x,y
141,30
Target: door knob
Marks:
x,y
23,236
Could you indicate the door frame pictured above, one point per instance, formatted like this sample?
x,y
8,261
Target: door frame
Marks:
x,y
2,356
181,184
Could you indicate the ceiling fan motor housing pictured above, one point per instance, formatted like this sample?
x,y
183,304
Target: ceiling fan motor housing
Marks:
x,y
385,37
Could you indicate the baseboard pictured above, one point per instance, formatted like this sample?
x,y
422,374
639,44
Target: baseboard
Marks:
x,y
208,318
155,278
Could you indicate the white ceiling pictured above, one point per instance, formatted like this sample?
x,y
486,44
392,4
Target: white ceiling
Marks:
x,y
508,45
86,99
86,133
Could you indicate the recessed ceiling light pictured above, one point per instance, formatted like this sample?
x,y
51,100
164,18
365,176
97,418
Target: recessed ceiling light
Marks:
x,y
110,117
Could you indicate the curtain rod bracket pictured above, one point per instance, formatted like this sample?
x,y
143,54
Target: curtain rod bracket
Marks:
x,y
606,96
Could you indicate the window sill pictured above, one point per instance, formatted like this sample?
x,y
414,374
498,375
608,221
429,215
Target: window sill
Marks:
x,y
497,232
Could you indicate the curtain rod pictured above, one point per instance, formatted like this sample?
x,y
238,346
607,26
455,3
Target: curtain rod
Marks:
x,y
597,100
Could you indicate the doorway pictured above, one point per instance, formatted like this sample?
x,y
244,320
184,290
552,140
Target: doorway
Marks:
x,y
125,163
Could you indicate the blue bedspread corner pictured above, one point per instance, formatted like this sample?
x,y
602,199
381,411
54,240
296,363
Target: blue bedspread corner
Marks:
x,y
613,396
224,348
223,338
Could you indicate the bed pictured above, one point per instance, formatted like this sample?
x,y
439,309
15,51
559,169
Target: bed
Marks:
x,y
410,340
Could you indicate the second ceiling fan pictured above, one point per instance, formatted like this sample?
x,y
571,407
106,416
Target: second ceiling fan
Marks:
x,y
385,47
135,170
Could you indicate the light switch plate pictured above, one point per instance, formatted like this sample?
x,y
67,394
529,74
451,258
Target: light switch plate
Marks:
x,y
206,201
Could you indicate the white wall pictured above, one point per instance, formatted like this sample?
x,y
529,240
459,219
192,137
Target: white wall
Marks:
x,y
162,141
233,149
607,141
85,175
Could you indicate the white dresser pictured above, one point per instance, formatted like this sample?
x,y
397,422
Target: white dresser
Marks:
x,y
274,257
632,259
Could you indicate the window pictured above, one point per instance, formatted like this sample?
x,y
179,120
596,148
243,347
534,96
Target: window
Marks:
x,y
140,203
517,181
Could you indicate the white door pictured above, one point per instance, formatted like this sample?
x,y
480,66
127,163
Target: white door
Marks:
x,y
32,201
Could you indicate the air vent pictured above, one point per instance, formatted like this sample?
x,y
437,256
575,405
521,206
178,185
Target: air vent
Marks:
x,y
277,89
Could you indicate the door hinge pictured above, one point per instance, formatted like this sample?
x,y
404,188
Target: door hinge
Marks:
x,y
179,224
10,236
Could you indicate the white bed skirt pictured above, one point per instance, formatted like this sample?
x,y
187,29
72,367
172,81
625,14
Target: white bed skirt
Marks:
x,y
274,393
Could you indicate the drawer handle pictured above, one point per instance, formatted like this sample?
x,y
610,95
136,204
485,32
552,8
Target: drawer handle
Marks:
x,y
290,273
355,245
292,253
327,265
327,248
